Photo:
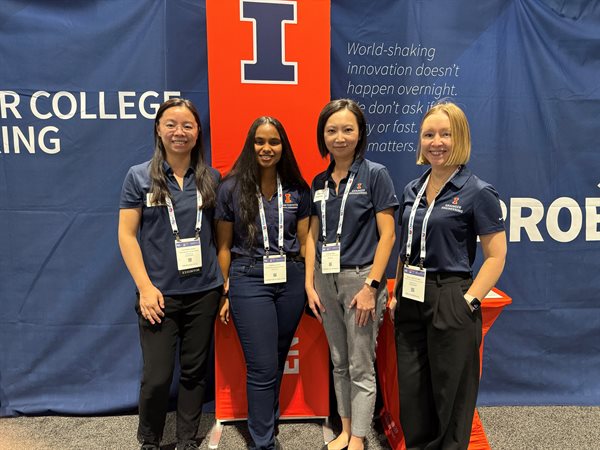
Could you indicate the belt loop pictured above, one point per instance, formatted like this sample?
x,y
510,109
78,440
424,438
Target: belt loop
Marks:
x,y
357,268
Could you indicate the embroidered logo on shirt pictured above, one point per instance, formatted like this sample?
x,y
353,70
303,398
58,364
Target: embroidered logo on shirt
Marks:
x,y
358,189
288,198
454,206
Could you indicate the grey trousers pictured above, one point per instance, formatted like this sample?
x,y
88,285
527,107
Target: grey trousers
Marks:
x,y
352,347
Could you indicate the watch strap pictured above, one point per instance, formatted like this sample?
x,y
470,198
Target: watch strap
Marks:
x,y
372,283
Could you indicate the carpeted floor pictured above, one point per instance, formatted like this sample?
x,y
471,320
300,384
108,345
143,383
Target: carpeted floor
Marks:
x,y
510,428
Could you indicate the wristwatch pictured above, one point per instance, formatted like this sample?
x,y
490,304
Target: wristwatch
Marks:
x,y
473,301
372,283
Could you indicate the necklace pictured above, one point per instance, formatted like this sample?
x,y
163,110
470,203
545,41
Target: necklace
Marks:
x,y
436,189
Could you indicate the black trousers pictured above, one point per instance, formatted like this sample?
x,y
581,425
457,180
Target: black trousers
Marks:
x,y
437,344
188,319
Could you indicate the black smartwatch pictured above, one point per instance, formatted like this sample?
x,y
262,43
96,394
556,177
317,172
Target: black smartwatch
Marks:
x,y
475,303
372,283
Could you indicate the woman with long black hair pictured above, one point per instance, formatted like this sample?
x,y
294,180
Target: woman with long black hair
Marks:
x,y
169,202
262,223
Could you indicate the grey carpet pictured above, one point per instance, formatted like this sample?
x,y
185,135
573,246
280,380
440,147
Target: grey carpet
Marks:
x,y
511,428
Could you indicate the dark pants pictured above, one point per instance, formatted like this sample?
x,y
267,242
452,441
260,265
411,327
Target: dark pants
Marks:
x,y
190,319
437,343
266,317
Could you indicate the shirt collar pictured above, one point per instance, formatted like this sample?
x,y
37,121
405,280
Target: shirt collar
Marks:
x,y
169,171
458,181
353,168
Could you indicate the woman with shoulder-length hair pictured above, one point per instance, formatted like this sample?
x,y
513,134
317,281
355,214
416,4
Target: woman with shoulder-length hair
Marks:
x,y
352,232
437,313
169,201
262,223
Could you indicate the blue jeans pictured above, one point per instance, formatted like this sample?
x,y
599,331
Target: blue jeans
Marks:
x,y
266,317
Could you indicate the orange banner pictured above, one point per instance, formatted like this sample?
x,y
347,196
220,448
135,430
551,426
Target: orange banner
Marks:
x,y
305,384
267,58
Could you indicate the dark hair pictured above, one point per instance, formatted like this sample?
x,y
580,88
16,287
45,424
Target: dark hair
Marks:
x,y
204,179
331,108
246,173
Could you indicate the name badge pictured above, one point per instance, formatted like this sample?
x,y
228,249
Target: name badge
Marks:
x,y
189,256
413,283
274,269
330,258
321,194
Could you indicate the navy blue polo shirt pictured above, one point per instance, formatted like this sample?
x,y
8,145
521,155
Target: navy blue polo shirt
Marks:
x,y
466,207
372,191
156,236
296,206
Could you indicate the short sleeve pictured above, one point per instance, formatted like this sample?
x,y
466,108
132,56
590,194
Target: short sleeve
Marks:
x,y
132,195
304,204
224,209
383,193
487,212
315,209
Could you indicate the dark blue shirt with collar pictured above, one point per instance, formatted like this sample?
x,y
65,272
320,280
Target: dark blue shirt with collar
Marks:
x,y
465,208
296,206
372,191
156,235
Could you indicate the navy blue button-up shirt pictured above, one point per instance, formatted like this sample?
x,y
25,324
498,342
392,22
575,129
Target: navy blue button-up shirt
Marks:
x,y
156,236
372,191
465,208
296,205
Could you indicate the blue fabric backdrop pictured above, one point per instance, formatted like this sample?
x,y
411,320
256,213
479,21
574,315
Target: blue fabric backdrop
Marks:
x,y
78,86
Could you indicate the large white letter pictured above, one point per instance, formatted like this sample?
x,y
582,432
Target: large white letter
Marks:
x,y
5,105
56,109
33,105
592,219
529,223
552,219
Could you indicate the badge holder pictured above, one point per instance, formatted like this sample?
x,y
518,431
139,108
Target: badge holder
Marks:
x,y
189,255
274,269
413,282
330,258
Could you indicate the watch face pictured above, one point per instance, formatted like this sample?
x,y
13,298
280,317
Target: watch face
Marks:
x,y
475,304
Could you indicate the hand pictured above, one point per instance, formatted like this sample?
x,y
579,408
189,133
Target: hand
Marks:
x,y
152,304
314,303
364,301
224,310
392,307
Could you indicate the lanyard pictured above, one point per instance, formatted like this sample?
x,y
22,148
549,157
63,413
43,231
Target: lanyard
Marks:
x,y
198,215
263,219
413,213
342,209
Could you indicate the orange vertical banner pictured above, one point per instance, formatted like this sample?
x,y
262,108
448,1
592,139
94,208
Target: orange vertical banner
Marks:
x,y
267,57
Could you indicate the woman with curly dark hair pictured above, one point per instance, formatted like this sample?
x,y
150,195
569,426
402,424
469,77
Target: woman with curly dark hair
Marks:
x,y
169,202
262,224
